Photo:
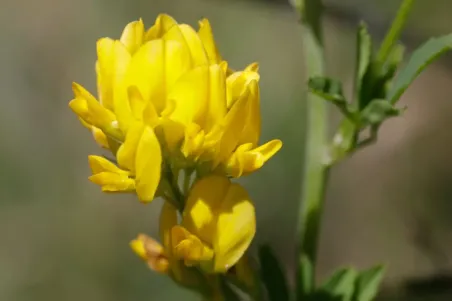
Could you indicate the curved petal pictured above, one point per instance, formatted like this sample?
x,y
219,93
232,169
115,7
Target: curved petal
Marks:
x,y
137,103
232,126
155,68
252,129
200,97
246,160
193,141
113,60
127,152
206,35
216,105
100,164
190,95
133,35
168,219
236,84
236,227
100,137
162,24
148,165
201,207
93,113
188,247
187,36
113,182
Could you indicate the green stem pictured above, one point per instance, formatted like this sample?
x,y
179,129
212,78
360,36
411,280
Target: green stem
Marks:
x,y
316,168
395,30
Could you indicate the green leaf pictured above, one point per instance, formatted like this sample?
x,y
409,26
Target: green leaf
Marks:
x,y
305,279
273,275
379,76
364,55
368,283
378,111
328,89
420,59
341,285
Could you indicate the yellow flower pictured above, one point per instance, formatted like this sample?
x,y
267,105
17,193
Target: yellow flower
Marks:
x,y
152,252
159,257
218,225
167,100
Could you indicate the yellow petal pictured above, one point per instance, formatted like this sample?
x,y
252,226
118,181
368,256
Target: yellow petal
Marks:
x,y
148,164
193,141
232,126
237,83
172,133
133,35
199,97
113,182
142,111
254,67
93,113
155,68
127,152
190,95
186,35
235,164
100,137
113,60
168,219
224,66
188,247
100,164
252,129
163,23
216,105
104,72
200,213
220,214
236,227
206,35
246,160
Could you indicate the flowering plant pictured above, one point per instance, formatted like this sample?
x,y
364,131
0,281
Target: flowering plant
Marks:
x,y
180,124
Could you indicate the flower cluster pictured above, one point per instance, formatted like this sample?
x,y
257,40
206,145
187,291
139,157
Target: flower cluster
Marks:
x,y
168,103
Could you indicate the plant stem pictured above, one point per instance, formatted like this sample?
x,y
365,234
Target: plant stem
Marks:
x,y
395,30
315,172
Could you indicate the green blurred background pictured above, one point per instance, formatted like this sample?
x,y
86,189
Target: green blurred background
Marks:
x,y
62,239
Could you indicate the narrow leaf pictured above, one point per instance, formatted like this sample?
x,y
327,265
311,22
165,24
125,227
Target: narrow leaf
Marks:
x,y
364,55
341,284
367,283
305,278
420,59
273,275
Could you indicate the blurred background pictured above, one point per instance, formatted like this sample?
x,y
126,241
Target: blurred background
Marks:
x,y
62,239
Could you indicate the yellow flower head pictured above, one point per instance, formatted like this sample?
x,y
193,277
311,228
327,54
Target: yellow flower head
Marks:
x,y
167,100
218,225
